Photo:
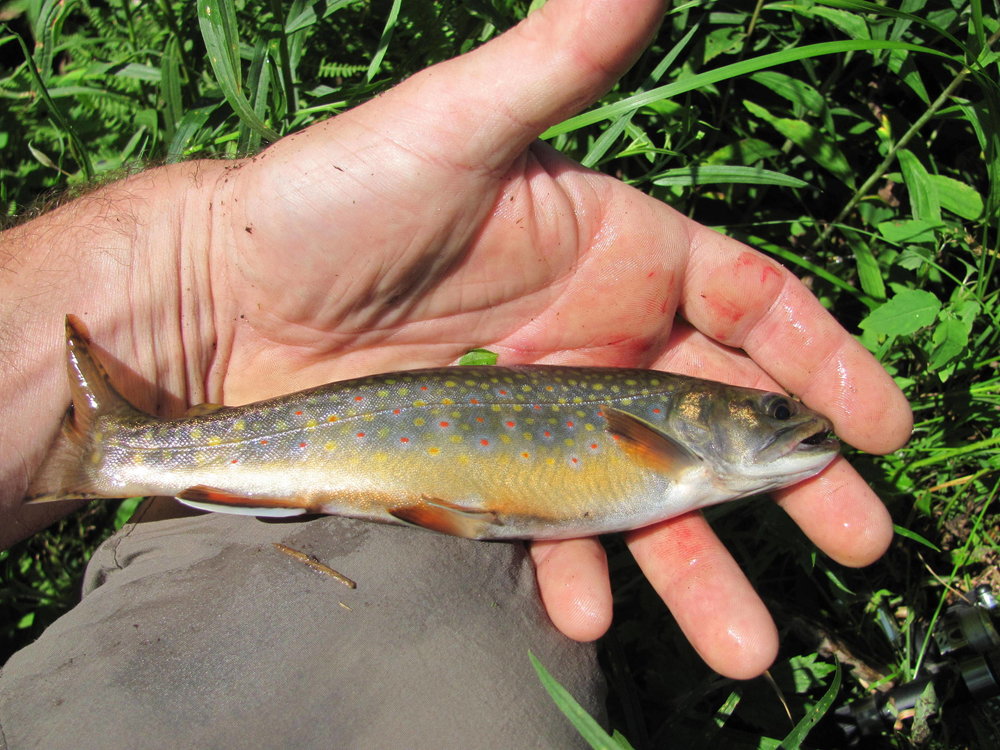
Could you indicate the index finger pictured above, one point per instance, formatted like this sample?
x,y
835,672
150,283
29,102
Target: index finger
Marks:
x,y
743,299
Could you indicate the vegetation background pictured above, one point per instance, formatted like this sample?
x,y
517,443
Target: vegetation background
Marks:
x,y
856,142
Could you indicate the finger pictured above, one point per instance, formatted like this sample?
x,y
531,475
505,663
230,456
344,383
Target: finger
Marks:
x,y
501,96
713,602
574,586
841,514
743,299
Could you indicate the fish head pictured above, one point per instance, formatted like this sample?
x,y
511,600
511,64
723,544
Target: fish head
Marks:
x,y
751,440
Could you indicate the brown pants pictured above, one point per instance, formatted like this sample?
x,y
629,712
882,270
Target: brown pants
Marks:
x,y
198,633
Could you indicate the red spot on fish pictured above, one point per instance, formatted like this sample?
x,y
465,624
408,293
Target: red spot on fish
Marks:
x,y
536,407
509,423
593,446
404,440
263,442
503,393
655,411
423,387
569,424
473,400
235,461
396,411
575,460
361,434
302,445
547,433
525,455
443,424
359,398
484,441
479,419
298,414
332,419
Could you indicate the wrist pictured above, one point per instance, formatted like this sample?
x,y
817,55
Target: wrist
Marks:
x,y
130,259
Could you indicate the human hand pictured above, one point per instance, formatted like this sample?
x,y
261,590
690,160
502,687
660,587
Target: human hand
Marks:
x,y
426,222
429,221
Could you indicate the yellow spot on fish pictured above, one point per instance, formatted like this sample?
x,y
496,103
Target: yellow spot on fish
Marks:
x,y
382,394
419,422
195,433
380,456
456,438
569,442
138,459
597,387
450,383
418,402
505,438
311,423
95,457
447,401
550,461
214,440
433,450
239,425
588,426
330,445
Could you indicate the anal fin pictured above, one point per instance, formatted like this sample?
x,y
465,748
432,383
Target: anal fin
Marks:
x,y
448,518
203,497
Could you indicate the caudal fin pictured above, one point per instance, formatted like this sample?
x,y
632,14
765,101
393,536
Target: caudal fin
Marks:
x,y
63,474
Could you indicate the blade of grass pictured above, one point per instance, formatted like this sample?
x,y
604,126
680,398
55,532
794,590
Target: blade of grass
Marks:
x,y
217,20
698,80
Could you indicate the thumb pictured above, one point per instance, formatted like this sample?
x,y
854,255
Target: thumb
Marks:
x,y
498,98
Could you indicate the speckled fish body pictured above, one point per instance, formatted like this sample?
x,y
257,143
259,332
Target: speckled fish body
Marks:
x,y
483,452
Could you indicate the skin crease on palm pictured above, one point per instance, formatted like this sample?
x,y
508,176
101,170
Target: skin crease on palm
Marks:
x,y
428,221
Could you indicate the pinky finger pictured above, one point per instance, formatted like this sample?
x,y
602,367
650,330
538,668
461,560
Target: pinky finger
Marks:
x,y
712,600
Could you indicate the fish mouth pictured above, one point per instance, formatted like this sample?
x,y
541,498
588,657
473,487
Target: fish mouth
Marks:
x,y
813,435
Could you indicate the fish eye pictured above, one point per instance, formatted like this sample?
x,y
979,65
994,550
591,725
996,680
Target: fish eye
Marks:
x,y
780,409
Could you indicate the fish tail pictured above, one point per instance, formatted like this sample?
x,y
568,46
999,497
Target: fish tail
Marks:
x,y
63,474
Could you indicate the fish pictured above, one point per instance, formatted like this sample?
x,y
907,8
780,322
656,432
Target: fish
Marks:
x,y
483,452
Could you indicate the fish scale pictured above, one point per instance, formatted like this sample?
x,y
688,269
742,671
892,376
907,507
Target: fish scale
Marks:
x,y
485,452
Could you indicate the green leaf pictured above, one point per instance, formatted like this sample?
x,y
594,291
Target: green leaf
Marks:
x,y
957,197
915,537
217,20
798,92
383,42
907,312
923,194
869,271
814,141
909,230
734,70
708,175
478,357
798,735
584,723
745,151
950,338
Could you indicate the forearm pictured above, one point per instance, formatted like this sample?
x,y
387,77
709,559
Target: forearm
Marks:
x,y
128,259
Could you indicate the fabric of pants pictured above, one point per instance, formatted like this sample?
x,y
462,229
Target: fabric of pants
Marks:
x,y
199,632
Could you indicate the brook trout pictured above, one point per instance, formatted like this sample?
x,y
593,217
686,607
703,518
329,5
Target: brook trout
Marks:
x,y
538,452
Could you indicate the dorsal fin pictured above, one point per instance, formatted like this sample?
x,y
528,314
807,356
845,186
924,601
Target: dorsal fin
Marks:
x,y
647,445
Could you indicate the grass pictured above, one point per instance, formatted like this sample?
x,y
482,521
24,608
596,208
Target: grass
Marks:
x,y
856,143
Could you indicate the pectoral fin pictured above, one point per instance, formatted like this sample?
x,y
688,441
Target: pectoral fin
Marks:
x,y
647,445
203,497
448,518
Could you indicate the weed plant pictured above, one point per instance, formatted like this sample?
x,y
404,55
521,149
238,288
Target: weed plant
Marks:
x,y
855,142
